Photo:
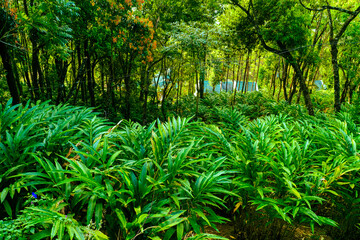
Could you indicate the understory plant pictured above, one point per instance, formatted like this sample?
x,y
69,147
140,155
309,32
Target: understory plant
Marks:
x,y
67,173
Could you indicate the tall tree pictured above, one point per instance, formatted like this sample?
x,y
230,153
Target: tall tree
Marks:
x,y
280,27
7,24
334,39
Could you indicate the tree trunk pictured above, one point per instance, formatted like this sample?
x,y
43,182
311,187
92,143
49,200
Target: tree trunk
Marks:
x,y
11,81
146,94
257,72
293,87
285,77
35,66
197,95
238,76
202,77
273,80
345,88
61,70
304,89
88,72
128,95
245,72
334,62
248,73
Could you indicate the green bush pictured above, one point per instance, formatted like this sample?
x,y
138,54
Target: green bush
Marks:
x,y
170,180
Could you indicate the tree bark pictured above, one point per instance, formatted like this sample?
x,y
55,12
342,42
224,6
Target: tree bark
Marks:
x,y
283,51
88,72
10,79
334,40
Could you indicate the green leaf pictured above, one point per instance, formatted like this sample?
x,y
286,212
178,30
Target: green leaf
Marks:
x,y
61,231
4,194
91,208
142,218
180,231
98,214
79,234
41,235
122,218
7,208
54,229
169,233
295,192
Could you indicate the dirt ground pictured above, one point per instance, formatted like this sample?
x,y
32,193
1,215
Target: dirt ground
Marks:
x,y
300,233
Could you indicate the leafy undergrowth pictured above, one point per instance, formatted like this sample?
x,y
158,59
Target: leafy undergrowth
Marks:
x,y
302,232
68,174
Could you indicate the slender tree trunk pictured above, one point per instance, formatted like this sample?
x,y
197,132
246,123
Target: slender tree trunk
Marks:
x,y
302,81
238,75
11,81
334,62
352,89
346,87
304,89
227,78
102,79
257,72
128,95
285,77
17,78
35,66
27,80
202,76
76,84
88,72
146,94
129,84
245,72
273,82
143,83
248,73
147,83
82,82
293,87
61,69
111,80
178,90
197,95
48,78
281,72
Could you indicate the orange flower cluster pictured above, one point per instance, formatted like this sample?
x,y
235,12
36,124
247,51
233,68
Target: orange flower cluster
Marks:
x,y
116,21
149,58
4,4
129,3
140,40
140,4
150,24
154,45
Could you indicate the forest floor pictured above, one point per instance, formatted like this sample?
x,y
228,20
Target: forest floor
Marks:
x,y
300,233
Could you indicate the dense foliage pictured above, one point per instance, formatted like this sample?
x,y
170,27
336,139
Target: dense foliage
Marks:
x,y
132,58
113,130
67,172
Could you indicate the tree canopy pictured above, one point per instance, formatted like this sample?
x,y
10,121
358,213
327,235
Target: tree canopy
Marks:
x,y
107,54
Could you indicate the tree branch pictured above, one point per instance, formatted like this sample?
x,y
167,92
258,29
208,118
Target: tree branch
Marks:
x,y
347,22
256,25
322,8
